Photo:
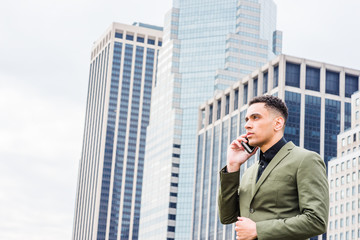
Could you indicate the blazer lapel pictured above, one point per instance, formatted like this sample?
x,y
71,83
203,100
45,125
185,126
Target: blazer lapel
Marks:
x,y
253,178
284,151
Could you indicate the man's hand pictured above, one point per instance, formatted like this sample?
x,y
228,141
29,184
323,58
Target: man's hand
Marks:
x,y
245,229
236,154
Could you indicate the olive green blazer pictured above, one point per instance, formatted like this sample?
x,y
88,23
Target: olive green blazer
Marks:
x,y
289,201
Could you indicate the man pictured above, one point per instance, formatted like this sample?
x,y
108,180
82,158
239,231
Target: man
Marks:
x,y
286,195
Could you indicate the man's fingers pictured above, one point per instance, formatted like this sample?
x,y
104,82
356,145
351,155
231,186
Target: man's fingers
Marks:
x,y
236,145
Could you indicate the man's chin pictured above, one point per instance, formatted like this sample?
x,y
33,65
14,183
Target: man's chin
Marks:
x,y
253,143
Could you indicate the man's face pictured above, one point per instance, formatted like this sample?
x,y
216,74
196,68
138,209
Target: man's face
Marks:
x,y
260,123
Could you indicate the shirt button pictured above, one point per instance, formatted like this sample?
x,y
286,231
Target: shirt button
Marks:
x,y
251,210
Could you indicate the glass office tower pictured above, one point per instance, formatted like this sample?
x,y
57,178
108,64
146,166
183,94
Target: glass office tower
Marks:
x,y
208,45
122,73
317,104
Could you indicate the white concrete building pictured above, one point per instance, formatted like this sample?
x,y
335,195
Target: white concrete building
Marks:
x,y
344,181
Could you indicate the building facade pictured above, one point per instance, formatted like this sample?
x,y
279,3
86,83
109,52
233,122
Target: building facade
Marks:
x,y
208,45
318,96
122,73
344,180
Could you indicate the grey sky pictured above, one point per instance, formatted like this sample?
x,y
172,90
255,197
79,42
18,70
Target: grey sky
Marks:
x,y
44,62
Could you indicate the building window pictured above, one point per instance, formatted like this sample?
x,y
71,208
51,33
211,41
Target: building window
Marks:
x,y
276,77
255,87
118,35
351,84
312,123
129,37
265,82
245,96
332,82
342,166
347,122
210,113
151,41
293,102
236,99
218,111
140,39
227,104
312,78
171,229
343,143
202,118
357,101
332,127
292,75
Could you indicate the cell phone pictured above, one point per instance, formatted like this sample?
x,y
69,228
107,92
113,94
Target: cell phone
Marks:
x,y
247,147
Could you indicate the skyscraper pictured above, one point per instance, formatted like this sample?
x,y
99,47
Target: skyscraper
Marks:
x,y
208,45
122,73
318,98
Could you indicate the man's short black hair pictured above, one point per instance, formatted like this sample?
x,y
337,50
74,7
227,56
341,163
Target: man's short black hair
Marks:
x,y
272,102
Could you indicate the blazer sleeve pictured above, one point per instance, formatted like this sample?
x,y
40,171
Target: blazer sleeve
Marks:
x,y
313,193
228,199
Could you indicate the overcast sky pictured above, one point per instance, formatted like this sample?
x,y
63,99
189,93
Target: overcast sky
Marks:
x,y
44,65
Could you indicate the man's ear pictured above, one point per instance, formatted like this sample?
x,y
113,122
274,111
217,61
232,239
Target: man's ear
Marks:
x,y
279,123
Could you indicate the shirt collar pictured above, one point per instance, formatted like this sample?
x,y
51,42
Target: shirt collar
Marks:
x,y
271,152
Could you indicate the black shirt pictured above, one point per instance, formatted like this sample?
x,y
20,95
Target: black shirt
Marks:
x,y
266,157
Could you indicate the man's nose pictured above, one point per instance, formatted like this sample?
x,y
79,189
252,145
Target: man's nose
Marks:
x,y
247,125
